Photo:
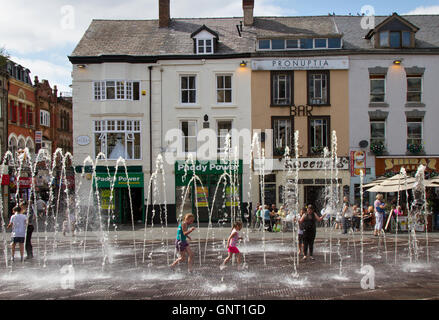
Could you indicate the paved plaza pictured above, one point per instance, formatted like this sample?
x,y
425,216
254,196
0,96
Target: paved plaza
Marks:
x,y
268,273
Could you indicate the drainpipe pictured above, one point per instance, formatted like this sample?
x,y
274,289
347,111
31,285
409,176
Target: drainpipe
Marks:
x,y
150,132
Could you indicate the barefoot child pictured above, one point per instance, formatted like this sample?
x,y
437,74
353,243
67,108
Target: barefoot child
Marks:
x,y
231,244
181,243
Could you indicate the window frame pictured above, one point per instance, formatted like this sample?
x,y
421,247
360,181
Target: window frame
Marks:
x,y
384,139
416,76
188,89
44,118
290,75
130,126
183,136
328,133
100,90
418,121
328,87
224,89
290,119
376,77
221,151
204,46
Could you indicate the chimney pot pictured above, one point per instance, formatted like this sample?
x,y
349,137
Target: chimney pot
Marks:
x,y
164,13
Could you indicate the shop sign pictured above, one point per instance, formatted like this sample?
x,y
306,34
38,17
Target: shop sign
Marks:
x,y
38,136
384,165
208,167
232,194
134,179
105,200
358,163
83,140
303,164
339,63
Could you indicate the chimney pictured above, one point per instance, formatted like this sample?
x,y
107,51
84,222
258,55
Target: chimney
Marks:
x,y
164,13
248,6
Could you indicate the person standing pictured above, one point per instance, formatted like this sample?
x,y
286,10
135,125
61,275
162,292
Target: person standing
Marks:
x,y
30,228
267,218
379,206
309,225
181,242
232,242
18,224
346,215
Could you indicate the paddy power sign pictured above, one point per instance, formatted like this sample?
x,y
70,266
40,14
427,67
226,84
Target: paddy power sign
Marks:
x,y
105,181
208,167
383,165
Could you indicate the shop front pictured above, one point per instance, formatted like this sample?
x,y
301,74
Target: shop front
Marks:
x,y
388,166
119,204
212,186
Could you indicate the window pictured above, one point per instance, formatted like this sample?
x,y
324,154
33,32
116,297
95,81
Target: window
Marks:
x,y
384,39
12,145
44,118
414,132
224,128
282,132
395,39
319,135
320,43
277,44
414,88
318,87
224,89
118,138
188,89
13,111
282,88
334,43
189,129
377,132
22,114
292,44
30,116
204,46
377,88
264,44
116,90
306,43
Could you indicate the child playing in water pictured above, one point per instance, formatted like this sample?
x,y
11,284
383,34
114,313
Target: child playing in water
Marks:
x,y
231,244
181,243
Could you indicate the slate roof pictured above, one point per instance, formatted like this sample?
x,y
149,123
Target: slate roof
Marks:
x,y
145,38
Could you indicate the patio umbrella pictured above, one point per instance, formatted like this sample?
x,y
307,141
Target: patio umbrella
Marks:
x,y
394,184
373,183
433,183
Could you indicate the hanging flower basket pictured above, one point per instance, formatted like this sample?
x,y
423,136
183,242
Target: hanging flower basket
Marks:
x,y
377,148
415,148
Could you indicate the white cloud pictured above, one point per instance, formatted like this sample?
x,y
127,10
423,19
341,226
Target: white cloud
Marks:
x,y
59,75
425,10
32,31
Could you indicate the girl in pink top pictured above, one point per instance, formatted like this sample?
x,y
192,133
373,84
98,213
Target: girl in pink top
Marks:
x,y
231,244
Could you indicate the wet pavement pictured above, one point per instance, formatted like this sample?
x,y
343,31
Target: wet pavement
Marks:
x,y
270,270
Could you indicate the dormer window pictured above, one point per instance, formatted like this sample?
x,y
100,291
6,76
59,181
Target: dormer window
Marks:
x,y
394,32
205,40
204,46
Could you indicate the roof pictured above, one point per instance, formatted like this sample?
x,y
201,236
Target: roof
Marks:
x,y
136,38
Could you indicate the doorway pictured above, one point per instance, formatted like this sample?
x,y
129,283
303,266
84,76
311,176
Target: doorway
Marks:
x,y
137,203
315,195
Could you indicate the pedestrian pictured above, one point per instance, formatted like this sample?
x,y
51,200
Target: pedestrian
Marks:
x,y
255,215
232,241
379,206
18,224
346,215
309,223
41,207
258,223
300,232
181,243
356,218
282,214
30,227
266,215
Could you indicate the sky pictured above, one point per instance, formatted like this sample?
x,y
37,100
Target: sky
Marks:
x,y
41,34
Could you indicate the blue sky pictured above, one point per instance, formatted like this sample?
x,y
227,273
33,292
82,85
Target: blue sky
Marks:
x,y
41,34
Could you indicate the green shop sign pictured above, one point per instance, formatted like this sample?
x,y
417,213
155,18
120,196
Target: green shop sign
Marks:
x,y
105,181
217,167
